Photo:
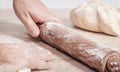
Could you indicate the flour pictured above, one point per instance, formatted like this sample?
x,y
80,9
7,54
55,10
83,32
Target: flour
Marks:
x,y
51,25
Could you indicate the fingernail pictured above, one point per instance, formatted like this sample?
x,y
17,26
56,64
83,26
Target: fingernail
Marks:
x,y
35,33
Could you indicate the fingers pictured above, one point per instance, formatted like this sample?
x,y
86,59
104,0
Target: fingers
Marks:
x,y
25,17
39,64
31,25
47,18
45,55
32,12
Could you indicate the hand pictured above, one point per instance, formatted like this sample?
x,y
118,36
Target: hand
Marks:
x,y
31,12
15,57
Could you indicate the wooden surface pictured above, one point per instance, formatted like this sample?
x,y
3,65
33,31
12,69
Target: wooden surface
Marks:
x,y
13,31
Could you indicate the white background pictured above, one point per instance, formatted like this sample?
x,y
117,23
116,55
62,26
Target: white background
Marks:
x,y
54,4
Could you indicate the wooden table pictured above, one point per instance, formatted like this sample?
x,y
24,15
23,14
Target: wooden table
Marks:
x,y
13,31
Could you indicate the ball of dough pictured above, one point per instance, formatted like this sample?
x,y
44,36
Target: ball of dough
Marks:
x,y
97,16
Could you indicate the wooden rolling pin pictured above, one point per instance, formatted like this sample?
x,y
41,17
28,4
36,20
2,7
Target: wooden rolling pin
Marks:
x,y
94,55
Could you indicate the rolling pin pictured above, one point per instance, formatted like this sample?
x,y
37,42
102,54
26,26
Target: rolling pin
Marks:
x,y
82,48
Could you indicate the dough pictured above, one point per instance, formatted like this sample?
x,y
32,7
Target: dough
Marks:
x,y
97,16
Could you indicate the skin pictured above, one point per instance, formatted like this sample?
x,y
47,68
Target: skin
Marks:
x,y
15,57
31,13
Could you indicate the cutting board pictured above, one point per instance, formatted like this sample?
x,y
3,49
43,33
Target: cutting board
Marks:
x,y
13,31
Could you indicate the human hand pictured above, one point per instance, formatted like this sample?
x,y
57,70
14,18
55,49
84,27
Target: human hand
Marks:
x,y
15,57
31,12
